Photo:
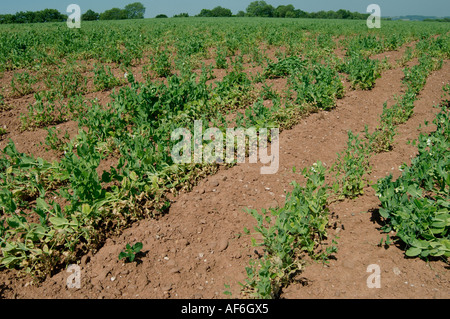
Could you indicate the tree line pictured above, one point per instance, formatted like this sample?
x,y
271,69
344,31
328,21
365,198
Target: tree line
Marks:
x,y
446,19
47,15
263,9
134,10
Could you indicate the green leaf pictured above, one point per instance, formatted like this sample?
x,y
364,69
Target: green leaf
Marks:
x,y
122,255
414,191
40,203
106,177
58,221
384,213
86,209
413,252
437,230
133,176
419,243
137,247
10,261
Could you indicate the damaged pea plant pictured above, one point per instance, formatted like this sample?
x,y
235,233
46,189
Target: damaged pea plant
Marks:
x,y
208,147
236,141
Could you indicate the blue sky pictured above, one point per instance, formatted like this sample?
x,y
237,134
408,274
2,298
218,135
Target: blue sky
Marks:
x,y
171,7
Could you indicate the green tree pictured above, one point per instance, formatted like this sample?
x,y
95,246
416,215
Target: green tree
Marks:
x,y
285,11
39,16
216,12
160,16
135,10
319,15
240,14
52,15
46,15
24,17
221,12
90,16
114,14
181,15
6,18
205,13
301,14
343,14
291,14
260,9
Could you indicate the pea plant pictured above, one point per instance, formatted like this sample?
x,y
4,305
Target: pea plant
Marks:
x,y
416,206
104,79
75,205
22,84
289,233
362,71
351,167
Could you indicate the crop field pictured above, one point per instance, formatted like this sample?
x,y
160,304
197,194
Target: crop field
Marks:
x,y
88,177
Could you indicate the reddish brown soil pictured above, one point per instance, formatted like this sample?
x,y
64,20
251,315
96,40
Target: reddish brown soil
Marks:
x,y
200,246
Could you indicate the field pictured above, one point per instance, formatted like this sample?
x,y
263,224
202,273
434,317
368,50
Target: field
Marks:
x,y
86,120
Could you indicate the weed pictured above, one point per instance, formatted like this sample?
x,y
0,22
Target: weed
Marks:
x,y
130,252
